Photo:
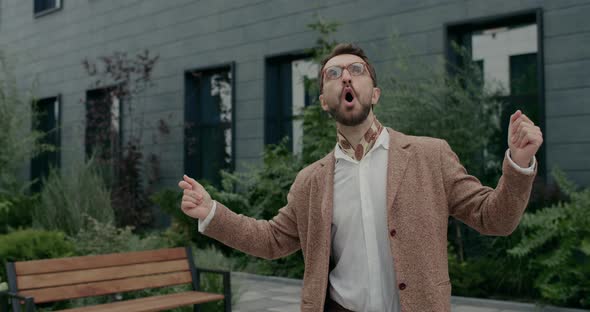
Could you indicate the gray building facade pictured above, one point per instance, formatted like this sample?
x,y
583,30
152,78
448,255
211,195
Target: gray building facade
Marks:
x,y
237,49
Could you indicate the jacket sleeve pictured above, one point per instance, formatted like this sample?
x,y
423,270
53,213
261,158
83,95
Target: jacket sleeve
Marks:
x,y
271,239
489,211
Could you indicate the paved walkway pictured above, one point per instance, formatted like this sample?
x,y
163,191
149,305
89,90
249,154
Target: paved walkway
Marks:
x,y
266,294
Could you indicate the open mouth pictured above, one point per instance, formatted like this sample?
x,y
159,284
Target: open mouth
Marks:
x,y
349,97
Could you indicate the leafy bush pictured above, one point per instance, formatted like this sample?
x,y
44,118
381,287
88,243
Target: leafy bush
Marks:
x,y
511,279
556,242
16,211
426,100
168,200
14,117
67,198
97,238
126,77
32,245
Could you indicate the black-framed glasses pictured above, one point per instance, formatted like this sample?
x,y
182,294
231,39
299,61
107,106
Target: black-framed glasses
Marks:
x,y
335,71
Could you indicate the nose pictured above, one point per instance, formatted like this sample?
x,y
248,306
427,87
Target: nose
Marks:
x,y
346,77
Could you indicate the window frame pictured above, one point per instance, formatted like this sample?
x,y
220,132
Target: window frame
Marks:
x,y
269,95
231,67
121,144
58,7
456,31
57,98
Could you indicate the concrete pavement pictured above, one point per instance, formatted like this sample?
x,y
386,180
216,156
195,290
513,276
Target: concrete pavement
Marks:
x,y
276,294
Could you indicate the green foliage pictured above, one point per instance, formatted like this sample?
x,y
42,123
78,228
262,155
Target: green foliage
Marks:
x,y
421,99
126,77
32,245
510,278
320,134
556,241
66,199
184,228
95,238
16,211
15,115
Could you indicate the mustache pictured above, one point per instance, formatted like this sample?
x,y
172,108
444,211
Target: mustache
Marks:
x,y
345,87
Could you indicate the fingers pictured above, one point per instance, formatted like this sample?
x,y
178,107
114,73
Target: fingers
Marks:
x,y
192,182
515,116
192,196
185,185
527,133
187,205
518,121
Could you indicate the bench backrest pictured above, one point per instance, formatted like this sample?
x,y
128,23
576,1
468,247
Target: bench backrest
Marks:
x,y
76,277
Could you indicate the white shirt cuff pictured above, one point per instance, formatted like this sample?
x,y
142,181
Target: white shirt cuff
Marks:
x,y
528,171
203,224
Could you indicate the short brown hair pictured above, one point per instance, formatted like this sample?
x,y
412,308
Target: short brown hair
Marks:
x,y
346,48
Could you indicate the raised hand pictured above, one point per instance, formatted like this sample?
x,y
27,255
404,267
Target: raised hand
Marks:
x,y
524,139
196,202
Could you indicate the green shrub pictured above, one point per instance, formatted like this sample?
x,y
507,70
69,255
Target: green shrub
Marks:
x,y
511,279
168,200
32,245
16,143
16,211
66,199
96,238
556,242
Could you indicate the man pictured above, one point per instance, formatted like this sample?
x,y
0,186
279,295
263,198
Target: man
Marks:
x,y
371,217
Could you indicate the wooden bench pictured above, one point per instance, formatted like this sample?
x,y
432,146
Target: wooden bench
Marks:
x,y
52,280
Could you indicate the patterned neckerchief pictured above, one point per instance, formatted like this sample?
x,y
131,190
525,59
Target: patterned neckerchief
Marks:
x,y
364,146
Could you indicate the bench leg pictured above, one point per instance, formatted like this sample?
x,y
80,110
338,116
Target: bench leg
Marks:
x,y
3,304
29,305
227,291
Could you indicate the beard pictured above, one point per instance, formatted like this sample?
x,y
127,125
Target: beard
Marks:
x,y
349,120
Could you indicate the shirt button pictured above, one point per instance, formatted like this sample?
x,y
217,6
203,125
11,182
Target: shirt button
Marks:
x,y
402,286
392,232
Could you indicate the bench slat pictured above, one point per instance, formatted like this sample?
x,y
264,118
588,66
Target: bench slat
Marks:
x,y
156,303
25,282
107,287
100,261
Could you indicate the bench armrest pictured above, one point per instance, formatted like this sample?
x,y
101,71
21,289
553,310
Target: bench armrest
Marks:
x,y
16,299
226,284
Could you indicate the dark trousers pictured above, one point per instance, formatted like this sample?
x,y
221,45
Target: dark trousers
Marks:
x,y
333,306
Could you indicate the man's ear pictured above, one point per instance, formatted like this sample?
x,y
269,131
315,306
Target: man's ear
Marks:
x,y
323,103
375,96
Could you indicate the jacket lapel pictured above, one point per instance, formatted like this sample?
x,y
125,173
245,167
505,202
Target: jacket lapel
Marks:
x,y
397,160
325,183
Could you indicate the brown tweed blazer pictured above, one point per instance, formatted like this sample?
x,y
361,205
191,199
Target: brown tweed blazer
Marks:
x,y
426,184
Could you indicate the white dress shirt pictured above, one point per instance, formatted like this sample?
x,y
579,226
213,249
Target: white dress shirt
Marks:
x,y
363,276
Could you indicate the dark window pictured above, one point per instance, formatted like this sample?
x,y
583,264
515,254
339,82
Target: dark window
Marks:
x,y
47,122
287,94
209,123
103,131
42,7
510,48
